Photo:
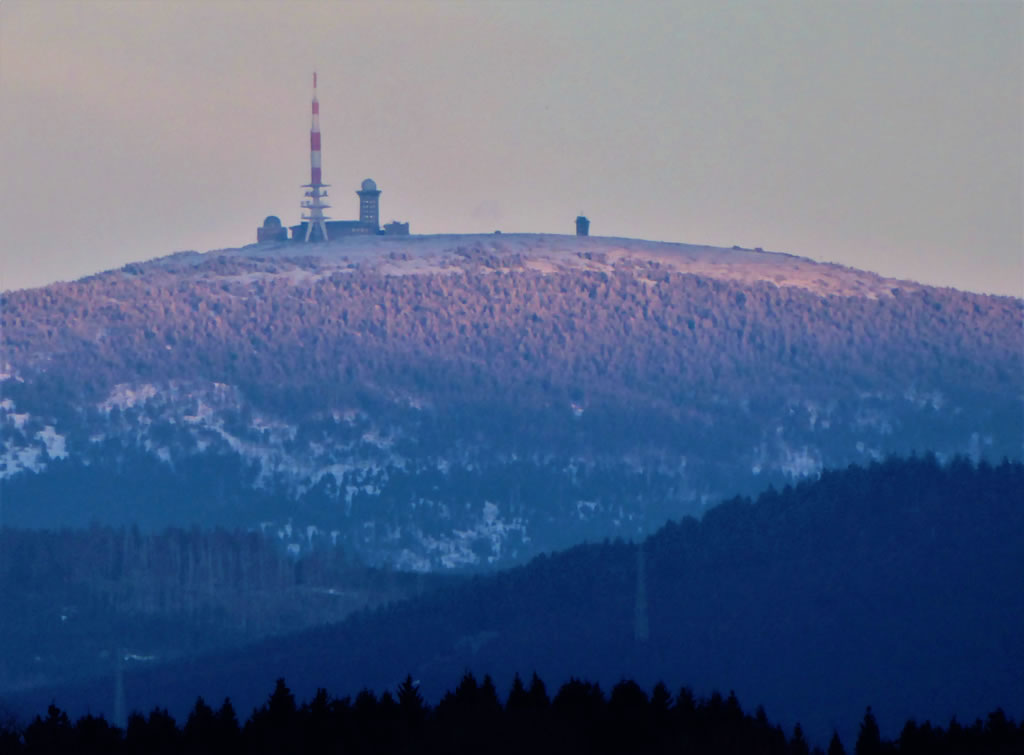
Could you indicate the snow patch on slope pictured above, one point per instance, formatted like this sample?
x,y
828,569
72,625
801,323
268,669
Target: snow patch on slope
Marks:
x,y
216,418
53,441
28,443
127,396
489,539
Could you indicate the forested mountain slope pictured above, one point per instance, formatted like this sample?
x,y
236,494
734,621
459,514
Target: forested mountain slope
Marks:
x,y
471,401
896,586
74,599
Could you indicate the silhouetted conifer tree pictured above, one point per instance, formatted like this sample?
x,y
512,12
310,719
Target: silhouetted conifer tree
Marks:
x,y
869,741
410,702
270,727
50,734
539,699
316,723
997,727
364,714
489,703
153,735
200,727
228,730
518,699
94,736
835,745
629,718
579,700
661,699
798,743
10,738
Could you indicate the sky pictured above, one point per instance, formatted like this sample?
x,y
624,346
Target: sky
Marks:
x,y
886,136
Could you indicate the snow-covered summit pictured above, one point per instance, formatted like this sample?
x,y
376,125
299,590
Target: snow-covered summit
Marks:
x,y
547,253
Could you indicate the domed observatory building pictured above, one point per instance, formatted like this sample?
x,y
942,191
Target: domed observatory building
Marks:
x,y
367,225
369,204
271,230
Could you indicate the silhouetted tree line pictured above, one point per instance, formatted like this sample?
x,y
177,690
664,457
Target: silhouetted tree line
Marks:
x,y
580,718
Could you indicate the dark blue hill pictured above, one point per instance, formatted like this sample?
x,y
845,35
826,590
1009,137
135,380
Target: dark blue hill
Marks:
x,y
899,586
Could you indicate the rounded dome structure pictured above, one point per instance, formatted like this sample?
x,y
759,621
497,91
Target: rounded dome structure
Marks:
x,y
369,185
271,230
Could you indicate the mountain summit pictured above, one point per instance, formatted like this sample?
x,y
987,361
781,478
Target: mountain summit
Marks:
x,y
469,401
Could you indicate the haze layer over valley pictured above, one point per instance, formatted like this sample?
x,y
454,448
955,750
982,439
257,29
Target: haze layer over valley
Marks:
x,y
470,401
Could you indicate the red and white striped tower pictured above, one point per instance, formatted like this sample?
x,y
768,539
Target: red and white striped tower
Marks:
x,y
315,194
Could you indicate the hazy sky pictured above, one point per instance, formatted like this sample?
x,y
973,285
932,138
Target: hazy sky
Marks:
x,y
882,135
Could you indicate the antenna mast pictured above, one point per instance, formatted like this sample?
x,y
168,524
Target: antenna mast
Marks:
x,y
313,203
